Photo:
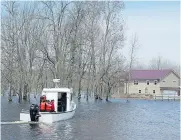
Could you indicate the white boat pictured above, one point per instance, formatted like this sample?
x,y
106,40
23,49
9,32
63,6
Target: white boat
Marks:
x,y
64,106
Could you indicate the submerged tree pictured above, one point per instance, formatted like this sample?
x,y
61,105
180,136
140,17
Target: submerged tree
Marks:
x,y
76,42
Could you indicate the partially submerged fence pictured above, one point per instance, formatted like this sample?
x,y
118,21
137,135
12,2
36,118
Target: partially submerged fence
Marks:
x,y
167,97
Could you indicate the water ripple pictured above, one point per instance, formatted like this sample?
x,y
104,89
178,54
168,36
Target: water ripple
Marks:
x,y
117,120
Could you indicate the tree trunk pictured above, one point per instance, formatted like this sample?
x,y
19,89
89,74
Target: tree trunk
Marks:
x,y
108,92
88,84
96,95
107,98
20,94
29,98
10,90
100,95
79,90
25,97
87,95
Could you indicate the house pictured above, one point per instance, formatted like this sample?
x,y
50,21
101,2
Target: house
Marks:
x,y
155,82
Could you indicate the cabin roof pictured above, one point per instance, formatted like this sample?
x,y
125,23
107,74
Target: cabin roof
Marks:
x,y
56,90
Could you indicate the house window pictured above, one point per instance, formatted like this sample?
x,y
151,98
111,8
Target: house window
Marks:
x,y
135,82
155,82
174,81
139,91
163,81
147,82
153,91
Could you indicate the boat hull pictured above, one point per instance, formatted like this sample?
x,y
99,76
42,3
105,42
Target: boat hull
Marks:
x,y
48,117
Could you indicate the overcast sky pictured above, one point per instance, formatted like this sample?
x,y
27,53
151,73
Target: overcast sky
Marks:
x,y
157,27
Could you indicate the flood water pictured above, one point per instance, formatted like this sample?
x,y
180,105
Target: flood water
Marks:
x,y
115,120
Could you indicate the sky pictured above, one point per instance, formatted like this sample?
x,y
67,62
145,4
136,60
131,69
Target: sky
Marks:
x,y
157,25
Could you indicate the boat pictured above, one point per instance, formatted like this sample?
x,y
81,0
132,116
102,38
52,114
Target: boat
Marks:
x,y
64,106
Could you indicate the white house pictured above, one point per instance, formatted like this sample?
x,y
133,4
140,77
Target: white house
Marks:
x,y
155,82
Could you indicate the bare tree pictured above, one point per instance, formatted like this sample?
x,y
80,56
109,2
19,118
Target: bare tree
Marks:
x,y
111,39
9,38
159,63
133,48
77,42
156,63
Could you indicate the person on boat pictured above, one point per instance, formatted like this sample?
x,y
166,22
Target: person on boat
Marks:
x,y
43,103
43,98
53,106
43,106
48,106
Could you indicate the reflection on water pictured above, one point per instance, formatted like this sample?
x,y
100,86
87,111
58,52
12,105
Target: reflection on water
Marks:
x,y
116,120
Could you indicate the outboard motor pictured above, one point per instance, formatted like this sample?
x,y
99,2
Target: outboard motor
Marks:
x,y
34,113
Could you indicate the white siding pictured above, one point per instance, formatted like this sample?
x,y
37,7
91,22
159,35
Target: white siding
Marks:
x,y
170,81
134,89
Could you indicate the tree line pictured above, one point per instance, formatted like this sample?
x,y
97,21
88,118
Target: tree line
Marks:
x,y
159,63
77,42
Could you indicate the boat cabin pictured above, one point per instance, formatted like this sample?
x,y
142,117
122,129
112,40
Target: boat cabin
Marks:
x,y
62,98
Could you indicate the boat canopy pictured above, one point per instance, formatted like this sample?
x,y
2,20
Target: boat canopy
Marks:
x,y
67,90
